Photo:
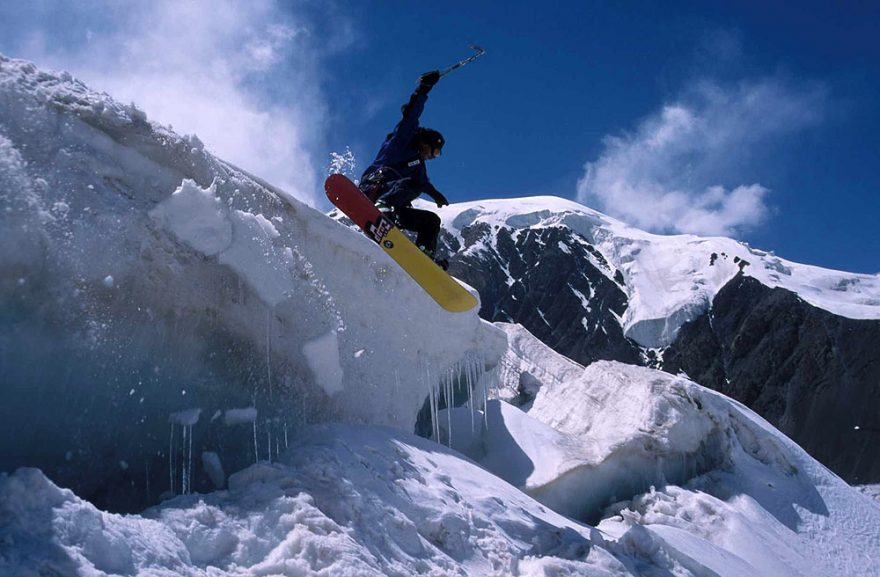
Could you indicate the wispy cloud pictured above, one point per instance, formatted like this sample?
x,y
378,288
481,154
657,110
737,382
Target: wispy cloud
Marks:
x,y
243,76
686,168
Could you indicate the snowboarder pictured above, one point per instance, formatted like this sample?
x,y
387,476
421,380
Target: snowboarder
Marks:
x,y
398,174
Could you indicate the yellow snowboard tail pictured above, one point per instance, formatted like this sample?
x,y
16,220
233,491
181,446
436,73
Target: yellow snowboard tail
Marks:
x,y
444,289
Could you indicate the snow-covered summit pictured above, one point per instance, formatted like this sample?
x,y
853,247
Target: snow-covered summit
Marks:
x,y
669,279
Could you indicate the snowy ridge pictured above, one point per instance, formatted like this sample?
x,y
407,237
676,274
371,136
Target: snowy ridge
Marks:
x,y
670,279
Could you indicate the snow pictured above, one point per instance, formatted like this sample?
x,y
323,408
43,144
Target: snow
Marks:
x,y
872,491
670,279
185,418
368,500
240,416
322,357
196,217
733,494
349,500
214,468
225,293
226,297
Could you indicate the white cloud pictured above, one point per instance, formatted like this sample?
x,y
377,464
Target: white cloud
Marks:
x,y
685,169
243,76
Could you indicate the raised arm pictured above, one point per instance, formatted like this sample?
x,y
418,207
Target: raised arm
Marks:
x,y
412,110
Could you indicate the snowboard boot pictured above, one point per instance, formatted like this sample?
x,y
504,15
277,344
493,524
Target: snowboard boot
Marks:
x,y
388,211
441,262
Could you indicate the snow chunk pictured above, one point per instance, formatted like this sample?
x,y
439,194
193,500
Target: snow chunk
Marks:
x,y
196,216
56,533
522,450
252,248
214,468
240,416
185,418
322,356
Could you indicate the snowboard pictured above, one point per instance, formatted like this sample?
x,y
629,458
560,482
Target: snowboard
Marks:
x,y
448,293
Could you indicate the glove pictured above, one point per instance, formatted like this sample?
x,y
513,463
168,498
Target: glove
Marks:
x,y
439,199
428,80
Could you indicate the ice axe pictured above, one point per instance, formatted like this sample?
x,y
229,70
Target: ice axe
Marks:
x,y
479,52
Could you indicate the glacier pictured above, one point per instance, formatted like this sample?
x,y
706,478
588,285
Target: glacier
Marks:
x,y
201,375
226,294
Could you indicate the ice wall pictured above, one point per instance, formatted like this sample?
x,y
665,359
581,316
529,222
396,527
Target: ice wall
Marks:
x,y
163,309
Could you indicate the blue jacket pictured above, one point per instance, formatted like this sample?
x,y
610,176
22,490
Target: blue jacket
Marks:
x,y
404,176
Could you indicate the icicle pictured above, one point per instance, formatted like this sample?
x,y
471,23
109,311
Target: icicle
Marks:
x,y
286,444
449,404
433,394
256,446
474,384
184,462
462,375
189,460
435,384
424,375
470,387
482,385
269,440
433,400
268,356
171,459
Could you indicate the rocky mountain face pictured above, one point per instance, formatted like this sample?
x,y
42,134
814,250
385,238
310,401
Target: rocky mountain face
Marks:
x,y
813,374
551,281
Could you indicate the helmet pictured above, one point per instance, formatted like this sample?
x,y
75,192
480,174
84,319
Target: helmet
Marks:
x,y
431,137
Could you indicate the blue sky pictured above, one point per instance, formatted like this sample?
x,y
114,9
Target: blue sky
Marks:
x,y
756,120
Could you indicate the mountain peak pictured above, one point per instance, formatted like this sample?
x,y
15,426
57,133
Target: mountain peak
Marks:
x,y
668,279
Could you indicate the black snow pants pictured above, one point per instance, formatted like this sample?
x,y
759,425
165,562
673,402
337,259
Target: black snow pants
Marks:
x,y
424,223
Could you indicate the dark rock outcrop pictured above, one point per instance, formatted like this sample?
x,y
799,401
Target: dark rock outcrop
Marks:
x,y
812,374
549,281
